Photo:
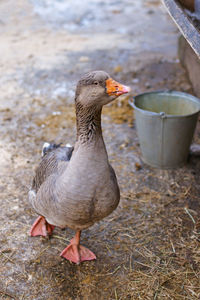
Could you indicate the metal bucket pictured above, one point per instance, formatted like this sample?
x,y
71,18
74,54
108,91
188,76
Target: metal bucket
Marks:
x,y
165,122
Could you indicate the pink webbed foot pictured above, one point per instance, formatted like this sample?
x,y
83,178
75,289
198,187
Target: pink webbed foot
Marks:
x,y
41,227
76,252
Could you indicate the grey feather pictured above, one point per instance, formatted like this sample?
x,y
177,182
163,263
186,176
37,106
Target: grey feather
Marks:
x,y
49,163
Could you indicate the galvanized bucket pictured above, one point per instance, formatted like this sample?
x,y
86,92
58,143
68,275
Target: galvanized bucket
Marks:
x,y
165,122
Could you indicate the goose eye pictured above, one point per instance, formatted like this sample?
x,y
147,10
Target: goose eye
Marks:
x,y
96,83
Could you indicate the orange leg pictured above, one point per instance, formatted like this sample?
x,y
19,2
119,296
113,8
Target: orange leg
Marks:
x,y
77,253
41,227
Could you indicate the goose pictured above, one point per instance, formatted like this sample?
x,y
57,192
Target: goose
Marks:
x,y
76,186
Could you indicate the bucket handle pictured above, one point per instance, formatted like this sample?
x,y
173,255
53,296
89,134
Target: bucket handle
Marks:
x,y
131,103
163,115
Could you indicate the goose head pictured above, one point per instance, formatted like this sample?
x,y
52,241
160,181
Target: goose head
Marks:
x,y
97,88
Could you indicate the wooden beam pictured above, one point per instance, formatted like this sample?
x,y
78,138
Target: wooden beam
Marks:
x,y
185,25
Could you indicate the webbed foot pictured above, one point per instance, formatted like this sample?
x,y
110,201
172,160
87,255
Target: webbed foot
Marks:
x,y
41,227
76,252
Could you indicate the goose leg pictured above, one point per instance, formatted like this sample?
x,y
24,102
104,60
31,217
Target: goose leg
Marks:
x,y
77,253
41,227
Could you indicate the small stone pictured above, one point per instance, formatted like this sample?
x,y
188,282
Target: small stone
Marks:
x,y
147,85
150,12
84,59
30,277
138,166
116,11
135,80
16,207
122,146
56,113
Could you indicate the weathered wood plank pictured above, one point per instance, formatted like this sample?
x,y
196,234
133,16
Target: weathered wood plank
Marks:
x,y
191,62
184,24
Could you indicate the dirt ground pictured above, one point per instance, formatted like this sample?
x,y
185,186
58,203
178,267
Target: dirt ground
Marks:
x,y
149,248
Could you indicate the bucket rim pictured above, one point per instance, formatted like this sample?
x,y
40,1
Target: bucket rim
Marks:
x,y
161,114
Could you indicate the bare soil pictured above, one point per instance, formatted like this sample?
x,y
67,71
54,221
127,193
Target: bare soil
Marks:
x,y
149,248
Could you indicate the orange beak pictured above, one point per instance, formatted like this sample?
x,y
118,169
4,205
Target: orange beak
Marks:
x,y
114,88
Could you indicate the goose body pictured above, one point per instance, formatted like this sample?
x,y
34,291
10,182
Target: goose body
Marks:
x,y
78,192
76,187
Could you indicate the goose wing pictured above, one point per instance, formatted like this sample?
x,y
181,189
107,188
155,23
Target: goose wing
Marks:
x,y
53,156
